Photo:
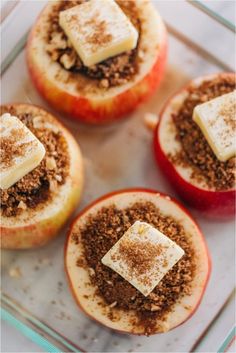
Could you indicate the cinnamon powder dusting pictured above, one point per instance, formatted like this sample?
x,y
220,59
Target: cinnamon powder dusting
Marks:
x,y
9,149
139,259
99,37
228,112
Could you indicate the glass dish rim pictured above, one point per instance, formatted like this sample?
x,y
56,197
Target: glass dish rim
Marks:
x,y
26,321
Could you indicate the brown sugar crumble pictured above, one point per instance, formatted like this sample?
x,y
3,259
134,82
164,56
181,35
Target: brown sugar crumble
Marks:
x,y
103,230
38,186
109,73
196,151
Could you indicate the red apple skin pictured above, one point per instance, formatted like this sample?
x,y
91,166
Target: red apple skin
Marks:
x,y
41,232
213,204
97,112
127,191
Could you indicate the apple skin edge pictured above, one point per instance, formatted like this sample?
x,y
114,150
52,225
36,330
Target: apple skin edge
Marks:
x,y
212,204
41,232
127,191
86,110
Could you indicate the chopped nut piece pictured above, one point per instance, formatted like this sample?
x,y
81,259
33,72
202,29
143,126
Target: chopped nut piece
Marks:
x,y
58,178
22,205
91,271
104,83
37,122
53,51
155,307
68,60
53,185
51,163
58,41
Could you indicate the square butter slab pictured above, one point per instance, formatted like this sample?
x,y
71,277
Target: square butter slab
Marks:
x,y
21,151
217,120
142,256
98,29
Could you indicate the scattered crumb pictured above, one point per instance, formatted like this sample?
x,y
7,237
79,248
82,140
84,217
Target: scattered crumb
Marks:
x,y
15,272
150,120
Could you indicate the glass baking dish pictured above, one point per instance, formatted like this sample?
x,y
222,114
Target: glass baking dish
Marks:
x,y
35,295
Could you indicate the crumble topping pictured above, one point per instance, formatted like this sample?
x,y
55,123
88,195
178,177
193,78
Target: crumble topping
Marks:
x,y
36,187
196,151
103,230
111,72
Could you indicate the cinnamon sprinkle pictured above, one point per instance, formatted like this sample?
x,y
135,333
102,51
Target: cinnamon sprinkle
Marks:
x,y
140,260
9,150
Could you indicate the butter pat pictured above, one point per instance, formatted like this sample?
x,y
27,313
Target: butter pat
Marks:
x,y
20,150
143,256
98,29
217,120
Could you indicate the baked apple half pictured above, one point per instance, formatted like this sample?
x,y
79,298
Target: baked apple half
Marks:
x,y
35,207
184,154
105,295
105,91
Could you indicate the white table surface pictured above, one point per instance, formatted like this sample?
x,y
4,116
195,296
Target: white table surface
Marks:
x,y
13,341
